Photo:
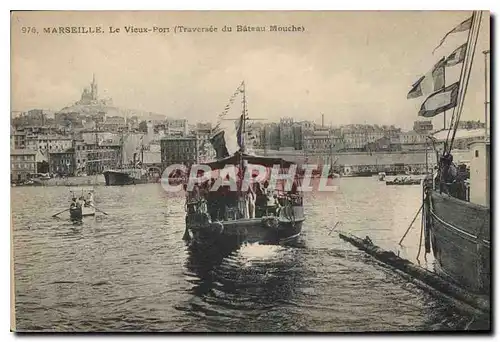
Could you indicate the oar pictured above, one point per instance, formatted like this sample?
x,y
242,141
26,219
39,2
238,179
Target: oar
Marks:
x,y
60,212
331,230
99,210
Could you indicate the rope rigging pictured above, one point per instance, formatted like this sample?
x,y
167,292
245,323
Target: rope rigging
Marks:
x,y
465,76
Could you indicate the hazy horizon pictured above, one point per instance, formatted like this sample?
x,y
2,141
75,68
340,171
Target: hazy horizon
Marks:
x,y
354,67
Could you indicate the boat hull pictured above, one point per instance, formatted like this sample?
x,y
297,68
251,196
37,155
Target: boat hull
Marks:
x,y
75,213
412,182
459,233
233,233
114,178
81,212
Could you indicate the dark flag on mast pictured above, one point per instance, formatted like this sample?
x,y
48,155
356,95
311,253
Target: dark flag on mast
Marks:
x,y
463,26
457,56
440,101
218,142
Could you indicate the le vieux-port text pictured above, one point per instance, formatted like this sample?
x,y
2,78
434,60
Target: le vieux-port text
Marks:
x,y
130,29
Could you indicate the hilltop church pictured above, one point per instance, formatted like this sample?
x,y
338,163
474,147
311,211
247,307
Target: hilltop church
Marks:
x,y
90,96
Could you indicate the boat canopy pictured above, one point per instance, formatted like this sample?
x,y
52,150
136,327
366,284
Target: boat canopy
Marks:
x,y
236,158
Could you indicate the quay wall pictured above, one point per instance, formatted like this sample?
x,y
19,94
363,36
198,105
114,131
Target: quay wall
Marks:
x,y
74,181
365,158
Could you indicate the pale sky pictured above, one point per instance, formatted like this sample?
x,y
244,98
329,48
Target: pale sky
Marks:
x,y
354,67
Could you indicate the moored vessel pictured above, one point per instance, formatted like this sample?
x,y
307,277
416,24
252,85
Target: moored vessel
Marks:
x,y
457,209
128,176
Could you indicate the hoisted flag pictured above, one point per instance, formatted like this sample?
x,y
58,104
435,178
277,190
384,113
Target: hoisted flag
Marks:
x,y
440,101
224,141
463,26
456,56
429,83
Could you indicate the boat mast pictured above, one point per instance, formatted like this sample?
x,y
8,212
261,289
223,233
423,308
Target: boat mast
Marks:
x,y
465,74
444,87
486,102
244,117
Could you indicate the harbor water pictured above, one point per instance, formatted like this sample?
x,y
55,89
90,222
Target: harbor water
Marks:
x,y
131,271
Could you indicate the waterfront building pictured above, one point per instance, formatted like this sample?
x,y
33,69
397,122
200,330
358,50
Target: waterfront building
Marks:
x,y
203,131
81,156
356,137
50,143
318,140
471,125
413,141
62,162
423,126
23,163
177,126
270,136
286,132
179,150
101,158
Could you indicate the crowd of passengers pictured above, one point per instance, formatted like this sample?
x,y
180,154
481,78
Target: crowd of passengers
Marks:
x,y
223,204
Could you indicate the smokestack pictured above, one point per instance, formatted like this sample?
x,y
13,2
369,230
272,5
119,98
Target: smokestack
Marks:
x,y
322,120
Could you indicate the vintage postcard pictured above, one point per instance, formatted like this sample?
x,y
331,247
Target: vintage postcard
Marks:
x,y
287,171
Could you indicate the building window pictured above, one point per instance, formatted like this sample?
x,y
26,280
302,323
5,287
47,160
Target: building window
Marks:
x,y
476,153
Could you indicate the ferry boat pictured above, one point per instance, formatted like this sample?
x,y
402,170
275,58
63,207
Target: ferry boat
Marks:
x,y
456,209
228,217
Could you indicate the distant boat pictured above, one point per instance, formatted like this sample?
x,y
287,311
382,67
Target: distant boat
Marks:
x,y
133,175
404,181
130,176
82,204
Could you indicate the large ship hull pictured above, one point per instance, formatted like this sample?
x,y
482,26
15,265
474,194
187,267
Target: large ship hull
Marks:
x,y
459,233
122,178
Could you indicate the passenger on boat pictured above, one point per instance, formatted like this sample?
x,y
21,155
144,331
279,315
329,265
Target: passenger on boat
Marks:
x,y
294,190
213,202
81,201
272,204
250,203
74,204
448,173
260,195
90,200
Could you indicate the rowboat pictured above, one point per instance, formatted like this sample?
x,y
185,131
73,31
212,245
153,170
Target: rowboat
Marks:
x,y
82,203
